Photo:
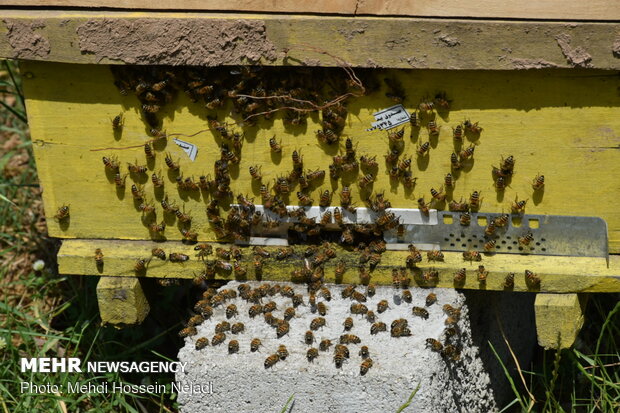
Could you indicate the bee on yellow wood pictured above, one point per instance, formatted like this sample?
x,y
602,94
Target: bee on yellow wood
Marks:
x,y
189,235
136,169
518,207
423,206
201,343
271,360
472,127
434,255
475,200
500,184
507,165
426,106
117,122
509,281
62,213
365,366
158,228
111,163
532,279
140,265
538,182
457,133
414,256
170,163
157,180
369,162
275,146
431,299
449,180
420,312
423,148
98,257
472,256
177,257
159,253
435,345
433,129
366,180
482,273
455,164
414,119
438,196
459,276
467,153
137,192
120,181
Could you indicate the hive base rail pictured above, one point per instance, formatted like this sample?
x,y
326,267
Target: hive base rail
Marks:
x,y
121,301
559,318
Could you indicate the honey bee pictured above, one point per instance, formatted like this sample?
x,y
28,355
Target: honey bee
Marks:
x,y
170,163
465,219
358,309
326,199
270,307
371,317
538,183
348,291
339,359
188,332
282,328
472,127
255,344
457,133
482,273
518,207
62,213
169,208
282,352
426,106
451,311
317,323
158,228
120,181
369,162
532,279
311,354
237,328
423,149
500,184
304,199
359,297
140,265
435,345
420,312
423,206
472,256
98,257
431,299
509,281
255,310
274,145
231,311
433,129
111,163
382,306
309,337
374,260
289,313
455,164
159,253
201,343
136,169
434,255
396,137
414,119
287,291
408,180
467,152
117,122
459,276
271,360
438,196
349,339
507,165
315,175
189,235
177,257
325,344
489,230
366,180
261,252
475,200
490,245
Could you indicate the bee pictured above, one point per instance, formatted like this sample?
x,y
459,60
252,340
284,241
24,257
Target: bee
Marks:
x,y
274,145
201,343
371,317
255,310
339,357
309,337
414,119
111,163
261,252
189,235
348,291
348,324
501,220
518,207
458,206
490,245
237,328
467,153
255,344
433,129
369,162
62,213
482,273
170,208
304,199
231,311
396,137
475,200
538,182
382,306
158,228
270,307
472,127
431,299
312,353
136,169
457,133
500,184
509,281
420,312
238,269
423,149
317,323
451,352
282,352
438,196
455,164
157,180
408,180
289,313
282,187
459,276
98,257
282,328
287,291
170,163
177,257
489,230
370,290
434,255
188,332
119,181
358,309
203,250
326,199
359,297
159,253
374,260
140,265
451,311
315,175
507,165
426,106
255,172
423,206
531,278
465,219
392,156
407,297
366,180
271,360
349,339
472,256
321,308
435,345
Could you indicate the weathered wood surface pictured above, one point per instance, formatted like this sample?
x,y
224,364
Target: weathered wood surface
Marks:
x,y
400,42
562,124
559,318
557,274
542,9
121,301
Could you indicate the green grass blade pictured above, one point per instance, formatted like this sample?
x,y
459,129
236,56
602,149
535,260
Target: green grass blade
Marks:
x,y
510,380
285,408
14,111
411,396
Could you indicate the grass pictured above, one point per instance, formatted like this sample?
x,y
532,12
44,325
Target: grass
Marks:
x,y
44,314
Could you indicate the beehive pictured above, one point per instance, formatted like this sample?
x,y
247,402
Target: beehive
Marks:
x,y
560,120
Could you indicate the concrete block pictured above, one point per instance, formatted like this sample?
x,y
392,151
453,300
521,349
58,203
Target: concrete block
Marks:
x,y
241,383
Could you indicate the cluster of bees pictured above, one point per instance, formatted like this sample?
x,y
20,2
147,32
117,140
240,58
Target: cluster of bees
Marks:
x,y
260,302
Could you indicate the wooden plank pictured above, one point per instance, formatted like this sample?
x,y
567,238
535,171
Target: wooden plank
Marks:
x,y
564,125
557,274
542,9
127,37
559,318
121,301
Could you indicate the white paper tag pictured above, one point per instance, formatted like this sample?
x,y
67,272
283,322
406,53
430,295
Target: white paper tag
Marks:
x,y
390,118
189,148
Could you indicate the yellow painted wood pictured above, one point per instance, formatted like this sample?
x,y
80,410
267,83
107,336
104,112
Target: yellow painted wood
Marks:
x,y
121,301
364,41
559,318
557,274
562,124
